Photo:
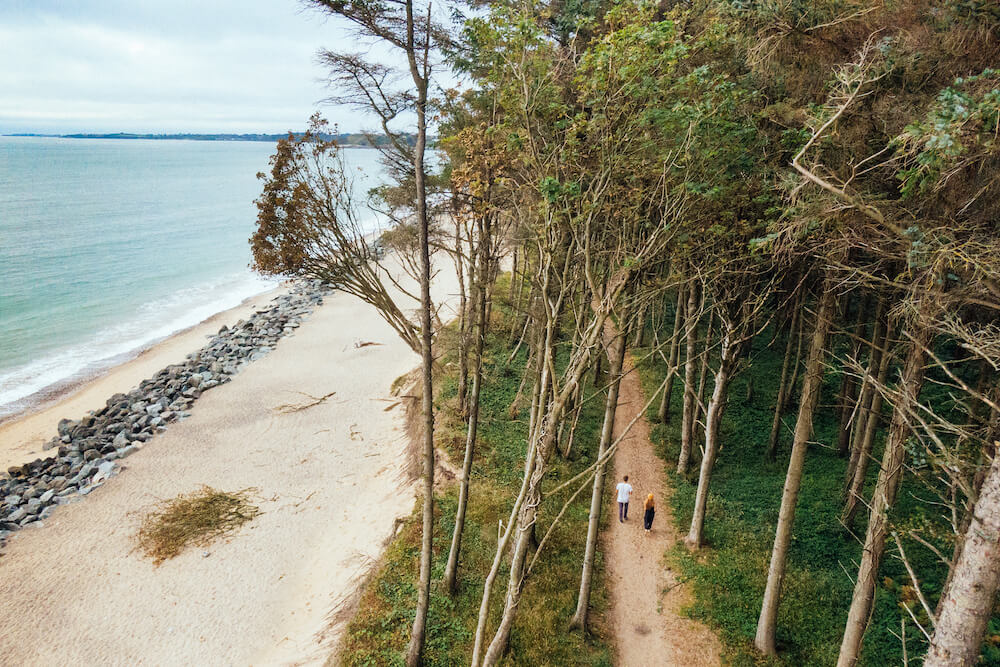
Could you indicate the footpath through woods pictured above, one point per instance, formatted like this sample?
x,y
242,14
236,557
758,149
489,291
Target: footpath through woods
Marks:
x,y
646,596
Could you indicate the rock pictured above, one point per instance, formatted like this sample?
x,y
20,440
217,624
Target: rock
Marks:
x,y
154,409
46,497
91,454
17,514
104,471
121,440
65,426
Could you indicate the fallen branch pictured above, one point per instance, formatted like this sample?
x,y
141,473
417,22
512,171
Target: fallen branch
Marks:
x,y
288,408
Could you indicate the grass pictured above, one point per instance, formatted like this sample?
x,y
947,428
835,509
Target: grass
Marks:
x,y
729,575
379,632
193,519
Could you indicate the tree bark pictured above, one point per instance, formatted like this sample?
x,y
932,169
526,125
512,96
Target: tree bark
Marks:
x,y
478,284
616,356
713,418
883,499
968,600
663,413
702,380
783,388
766,624
687,420
855,490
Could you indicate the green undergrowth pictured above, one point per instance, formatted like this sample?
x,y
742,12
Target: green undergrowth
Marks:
x,y
729,574
379,632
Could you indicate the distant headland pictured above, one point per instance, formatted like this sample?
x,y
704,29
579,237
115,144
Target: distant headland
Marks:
x,y
346,139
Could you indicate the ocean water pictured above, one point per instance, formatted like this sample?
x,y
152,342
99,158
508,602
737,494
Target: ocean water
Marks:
x,y
107,246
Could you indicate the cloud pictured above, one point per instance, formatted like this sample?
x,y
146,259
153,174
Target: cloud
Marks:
x,y
218,65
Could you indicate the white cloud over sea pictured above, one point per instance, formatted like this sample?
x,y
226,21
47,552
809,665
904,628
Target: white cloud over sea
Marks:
x,y
71,66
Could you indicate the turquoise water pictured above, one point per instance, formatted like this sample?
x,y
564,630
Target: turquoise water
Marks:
x,y
107,246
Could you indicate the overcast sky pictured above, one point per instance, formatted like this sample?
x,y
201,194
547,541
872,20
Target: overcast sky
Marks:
x,y
163,66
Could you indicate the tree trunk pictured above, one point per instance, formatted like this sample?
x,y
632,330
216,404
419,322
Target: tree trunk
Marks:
x,y
796,363
766,624
713,417
849,384
513,276
702,380
968,601
464,326
663,413
783,388
415,649
687,420
883,499
855,490
876,346
478,279
616,356
640,327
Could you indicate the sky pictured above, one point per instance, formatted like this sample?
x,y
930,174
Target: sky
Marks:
x,y
70,66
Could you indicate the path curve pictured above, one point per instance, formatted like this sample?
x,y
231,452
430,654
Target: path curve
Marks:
x,y
646,602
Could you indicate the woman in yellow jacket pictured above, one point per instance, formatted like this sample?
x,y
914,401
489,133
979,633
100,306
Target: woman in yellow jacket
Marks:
x,y
647,517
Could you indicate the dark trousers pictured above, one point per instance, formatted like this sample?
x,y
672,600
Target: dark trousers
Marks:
x,y
647,519
623,511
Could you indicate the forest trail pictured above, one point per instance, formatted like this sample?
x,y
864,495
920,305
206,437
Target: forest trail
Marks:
x,y
646,599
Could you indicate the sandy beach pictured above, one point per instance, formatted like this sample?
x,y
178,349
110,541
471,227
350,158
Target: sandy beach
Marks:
x,y
330,482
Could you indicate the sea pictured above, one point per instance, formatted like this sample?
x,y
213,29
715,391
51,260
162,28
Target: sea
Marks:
x,y
110,245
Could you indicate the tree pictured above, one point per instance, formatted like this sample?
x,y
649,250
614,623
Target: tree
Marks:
x,y
767,623
376,87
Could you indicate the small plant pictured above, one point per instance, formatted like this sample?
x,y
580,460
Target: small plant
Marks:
x,y
193,519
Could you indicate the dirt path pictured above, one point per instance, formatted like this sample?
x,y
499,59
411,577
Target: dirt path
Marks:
x,y
645,604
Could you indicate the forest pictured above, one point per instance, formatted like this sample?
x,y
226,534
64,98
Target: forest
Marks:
x,y
784,212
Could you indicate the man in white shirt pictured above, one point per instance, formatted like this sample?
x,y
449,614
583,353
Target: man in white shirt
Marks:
x,y
624,493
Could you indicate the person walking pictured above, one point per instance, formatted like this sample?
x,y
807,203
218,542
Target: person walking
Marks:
x,y
647,517
624,493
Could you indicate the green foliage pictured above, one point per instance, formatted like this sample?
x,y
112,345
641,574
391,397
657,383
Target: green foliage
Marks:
x,y
964,116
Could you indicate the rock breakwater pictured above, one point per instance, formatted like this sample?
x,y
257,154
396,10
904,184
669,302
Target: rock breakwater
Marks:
x,y
89,448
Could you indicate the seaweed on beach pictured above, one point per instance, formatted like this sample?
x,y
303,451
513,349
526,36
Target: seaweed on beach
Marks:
x,y
193,519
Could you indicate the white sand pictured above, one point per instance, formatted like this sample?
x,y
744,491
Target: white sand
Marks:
x,y
331,484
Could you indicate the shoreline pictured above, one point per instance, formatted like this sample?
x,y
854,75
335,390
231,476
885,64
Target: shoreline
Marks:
x,y
331,478
23,433
63,389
